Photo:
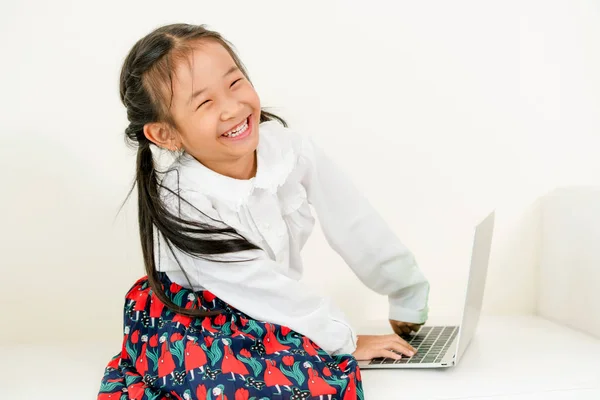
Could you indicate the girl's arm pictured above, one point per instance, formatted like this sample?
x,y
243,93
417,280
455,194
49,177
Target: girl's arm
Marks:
x,y
258,289
362,238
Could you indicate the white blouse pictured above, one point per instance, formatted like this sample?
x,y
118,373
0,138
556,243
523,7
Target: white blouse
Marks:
x,y
273,211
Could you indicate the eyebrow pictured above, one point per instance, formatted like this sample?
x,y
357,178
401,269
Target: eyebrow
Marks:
x,y
198,92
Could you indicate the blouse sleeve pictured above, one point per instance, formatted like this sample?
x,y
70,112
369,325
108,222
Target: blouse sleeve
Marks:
x,y
362,238
251,282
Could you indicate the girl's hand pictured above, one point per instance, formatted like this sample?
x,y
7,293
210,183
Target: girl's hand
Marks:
x,y
404,328
373,346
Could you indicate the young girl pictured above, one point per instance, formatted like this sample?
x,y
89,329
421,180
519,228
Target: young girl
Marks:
x,y
220,313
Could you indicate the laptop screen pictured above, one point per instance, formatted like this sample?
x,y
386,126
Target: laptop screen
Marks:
x,y
482,245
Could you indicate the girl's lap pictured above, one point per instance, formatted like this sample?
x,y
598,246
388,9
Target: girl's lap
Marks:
x,y
229,354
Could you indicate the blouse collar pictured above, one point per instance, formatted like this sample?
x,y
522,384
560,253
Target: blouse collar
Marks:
x,y
275,159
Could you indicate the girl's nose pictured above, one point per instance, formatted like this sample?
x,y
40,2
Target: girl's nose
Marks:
x,y
231,109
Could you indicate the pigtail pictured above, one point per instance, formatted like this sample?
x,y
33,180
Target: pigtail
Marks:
x,y
150,209
267,116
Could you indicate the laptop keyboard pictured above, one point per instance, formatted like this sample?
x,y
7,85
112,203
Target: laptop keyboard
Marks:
x,y
431,343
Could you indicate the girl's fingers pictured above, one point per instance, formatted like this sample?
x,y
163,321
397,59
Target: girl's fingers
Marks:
x,y
401,348
389,346
406,329
389,354
402,342
403,328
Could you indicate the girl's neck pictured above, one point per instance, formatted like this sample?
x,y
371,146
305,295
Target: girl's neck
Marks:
x,y
244,169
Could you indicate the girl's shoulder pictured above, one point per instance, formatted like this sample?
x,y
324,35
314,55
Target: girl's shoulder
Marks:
x,y
278,139
277,136
181,197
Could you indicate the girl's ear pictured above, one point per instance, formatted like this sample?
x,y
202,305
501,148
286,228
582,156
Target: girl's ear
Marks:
x,y
159,134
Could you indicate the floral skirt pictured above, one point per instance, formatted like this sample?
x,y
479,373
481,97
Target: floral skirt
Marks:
x,y
228,356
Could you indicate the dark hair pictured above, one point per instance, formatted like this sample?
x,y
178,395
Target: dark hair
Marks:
x,y
146,90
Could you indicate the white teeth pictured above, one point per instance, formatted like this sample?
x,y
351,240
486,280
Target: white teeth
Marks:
x,y
237,131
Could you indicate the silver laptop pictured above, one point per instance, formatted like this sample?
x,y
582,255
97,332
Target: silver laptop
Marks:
x,y
443,346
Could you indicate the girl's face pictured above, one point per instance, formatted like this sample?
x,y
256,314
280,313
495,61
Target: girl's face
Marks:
x,y
212,98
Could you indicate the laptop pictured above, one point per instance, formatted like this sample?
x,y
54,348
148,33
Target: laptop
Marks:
x,y
443,346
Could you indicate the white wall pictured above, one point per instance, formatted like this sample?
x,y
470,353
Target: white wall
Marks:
x,y
439,110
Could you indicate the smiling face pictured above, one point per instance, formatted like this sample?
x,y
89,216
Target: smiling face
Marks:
x,y
215,108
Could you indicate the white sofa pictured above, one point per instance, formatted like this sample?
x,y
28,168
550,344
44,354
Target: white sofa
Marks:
x,y
569,264
511,357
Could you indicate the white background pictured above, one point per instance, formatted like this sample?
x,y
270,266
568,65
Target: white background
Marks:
x,y
439,110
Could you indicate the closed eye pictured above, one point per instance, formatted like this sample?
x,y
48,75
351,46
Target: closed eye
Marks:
x,y
203,103
236,81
